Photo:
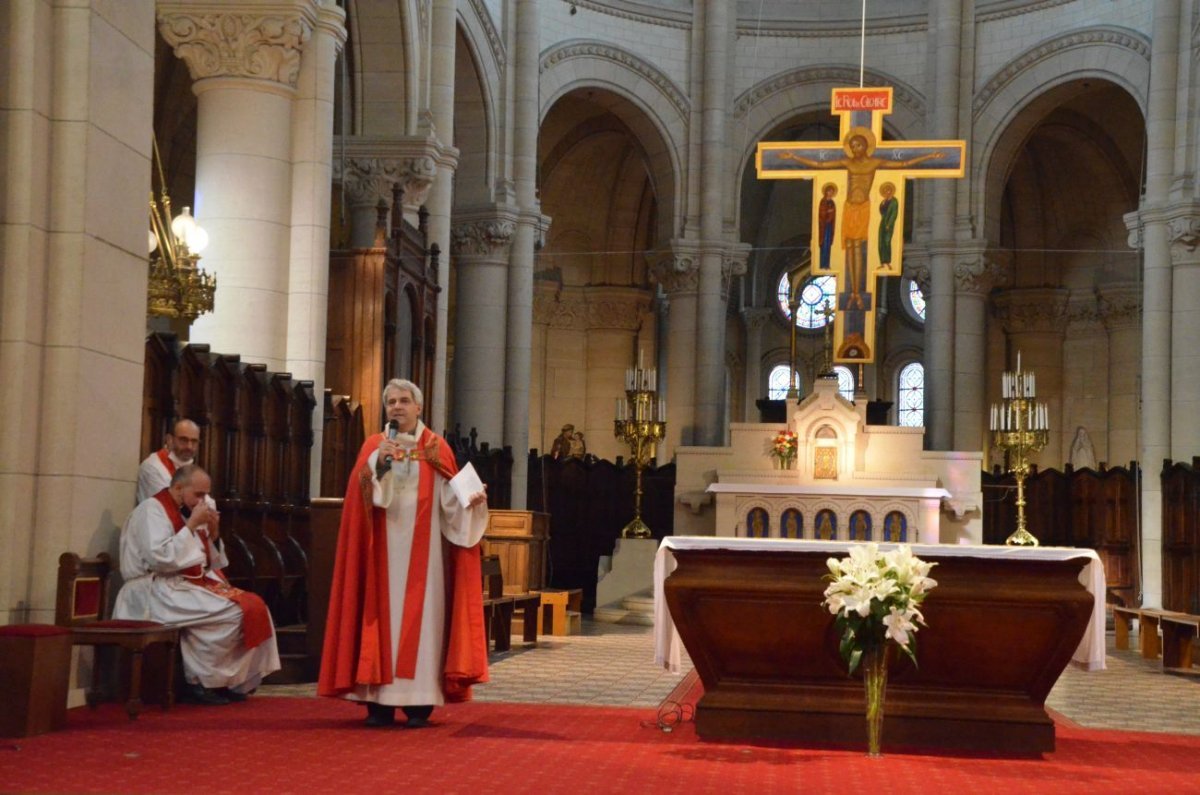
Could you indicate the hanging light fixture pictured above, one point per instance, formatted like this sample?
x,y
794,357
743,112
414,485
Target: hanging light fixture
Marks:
x,y
178,287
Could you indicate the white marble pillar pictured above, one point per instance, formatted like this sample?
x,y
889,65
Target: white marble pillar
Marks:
x,y
676,271
719,19
308,279
442,42
520,272
1149,232
1120,308
245,61
755,320
975,274
75,86
480,245
1035,319
945,31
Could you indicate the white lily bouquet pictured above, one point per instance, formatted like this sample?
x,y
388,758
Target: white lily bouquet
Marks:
x,y
876,597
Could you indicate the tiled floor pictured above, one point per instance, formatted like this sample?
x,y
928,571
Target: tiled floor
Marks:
x,y
613,664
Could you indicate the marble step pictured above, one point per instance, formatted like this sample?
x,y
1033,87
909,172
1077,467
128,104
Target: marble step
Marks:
x,y
636,608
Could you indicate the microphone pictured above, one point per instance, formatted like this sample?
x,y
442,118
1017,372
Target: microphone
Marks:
x,y
393,428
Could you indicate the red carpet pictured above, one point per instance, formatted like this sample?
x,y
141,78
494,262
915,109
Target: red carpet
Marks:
x,y
280,745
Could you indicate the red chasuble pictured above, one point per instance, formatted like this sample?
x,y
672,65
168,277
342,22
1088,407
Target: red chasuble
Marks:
x,y
358,642
256,618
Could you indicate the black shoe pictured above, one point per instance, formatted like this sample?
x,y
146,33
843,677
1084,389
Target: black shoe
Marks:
x,y
417,717
199,694
234,696
380,715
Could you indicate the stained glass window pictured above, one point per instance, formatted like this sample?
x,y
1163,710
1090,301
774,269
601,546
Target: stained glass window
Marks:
x,y
813,294
915,299
845,382
777,382
911,395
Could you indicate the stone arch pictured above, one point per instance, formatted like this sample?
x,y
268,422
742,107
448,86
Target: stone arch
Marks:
x,y
645,99
475,135
391,51
774,100
1016,97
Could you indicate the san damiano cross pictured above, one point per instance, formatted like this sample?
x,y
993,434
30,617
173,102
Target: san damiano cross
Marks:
x,y
858,219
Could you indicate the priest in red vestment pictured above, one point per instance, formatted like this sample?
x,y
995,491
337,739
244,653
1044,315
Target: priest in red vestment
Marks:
x,y
405,624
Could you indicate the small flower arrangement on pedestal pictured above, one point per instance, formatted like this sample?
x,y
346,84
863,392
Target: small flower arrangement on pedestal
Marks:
x,y
876,598
783,448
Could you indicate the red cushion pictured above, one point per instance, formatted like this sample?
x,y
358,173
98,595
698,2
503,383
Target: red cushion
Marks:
x,y
32,631
120,623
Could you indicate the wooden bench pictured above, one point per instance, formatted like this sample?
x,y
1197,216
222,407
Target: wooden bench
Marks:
x,y
498,608
1179,632
1148,623
561,611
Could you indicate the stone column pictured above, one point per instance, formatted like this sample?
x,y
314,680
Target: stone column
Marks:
x,y
945,27
719,20
975,274
245,63
1035,319
1120,310
520,273
308,279
480,244
1149,232
443,39
1183,232
677,271
754,319
74,102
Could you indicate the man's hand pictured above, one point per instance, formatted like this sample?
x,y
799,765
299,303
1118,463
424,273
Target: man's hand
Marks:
x,y
214,525
478,498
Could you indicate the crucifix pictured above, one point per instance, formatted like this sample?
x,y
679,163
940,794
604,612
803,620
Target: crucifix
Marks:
x,y
862,237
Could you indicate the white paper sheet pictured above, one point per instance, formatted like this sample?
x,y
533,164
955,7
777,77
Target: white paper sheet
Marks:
x,y
466,484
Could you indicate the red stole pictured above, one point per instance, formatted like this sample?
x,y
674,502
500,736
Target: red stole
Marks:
x,y
358,644
256,619
165,458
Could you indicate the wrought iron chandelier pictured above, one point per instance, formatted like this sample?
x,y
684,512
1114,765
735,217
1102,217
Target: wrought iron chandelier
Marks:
x,y
178,288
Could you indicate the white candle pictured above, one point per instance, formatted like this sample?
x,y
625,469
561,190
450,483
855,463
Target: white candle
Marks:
x,y
1018,361
662,410
639,358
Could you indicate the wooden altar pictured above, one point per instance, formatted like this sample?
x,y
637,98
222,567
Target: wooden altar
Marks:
x,y
1003,624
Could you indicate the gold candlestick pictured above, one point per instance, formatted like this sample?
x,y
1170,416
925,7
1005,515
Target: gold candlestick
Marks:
x,y
1020,425
641,424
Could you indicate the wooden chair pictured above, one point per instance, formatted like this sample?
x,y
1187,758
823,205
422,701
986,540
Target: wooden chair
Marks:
x,y
82,605
497,608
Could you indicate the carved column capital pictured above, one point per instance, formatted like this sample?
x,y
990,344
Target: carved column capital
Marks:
x,y
1033,309
215,40
1120,306
916,266
733,263
755,317
1184,233
978,271
368,180
488,238
676,267
1083,314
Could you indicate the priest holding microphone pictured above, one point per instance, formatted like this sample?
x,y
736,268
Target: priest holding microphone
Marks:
x,y
405,623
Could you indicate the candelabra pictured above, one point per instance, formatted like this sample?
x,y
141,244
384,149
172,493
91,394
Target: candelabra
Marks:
x,y
641,422
177,287
1020,426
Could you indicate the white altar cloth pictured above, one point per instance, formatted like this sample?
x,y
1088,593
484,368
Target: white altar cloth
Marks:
x,y
668,647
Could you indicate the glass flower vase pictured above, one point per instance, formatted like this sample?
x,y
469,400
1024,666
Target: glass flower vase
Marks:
x,y
875,670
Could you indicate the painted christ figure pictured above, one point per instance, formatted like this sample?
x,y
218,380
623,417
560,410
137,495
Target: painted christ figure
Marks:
x,y
860,165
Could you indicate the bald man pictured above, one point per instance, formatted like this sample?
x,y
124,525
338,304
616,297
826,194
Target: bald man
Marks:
x,y
179,449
